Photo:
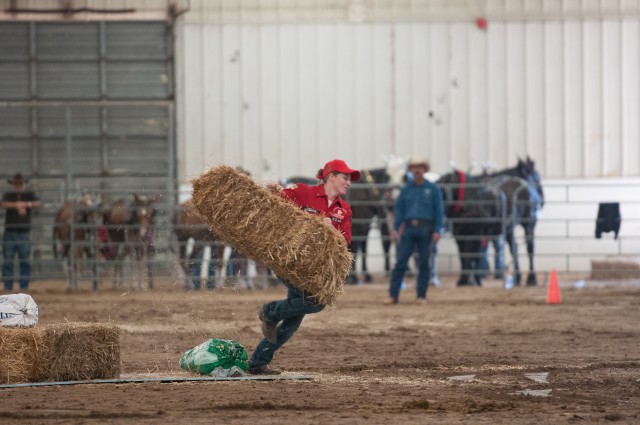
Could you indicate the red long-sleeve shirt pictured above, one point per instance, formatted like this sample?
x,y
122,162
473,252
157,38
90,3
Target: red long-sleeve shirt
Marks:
x,y
313,200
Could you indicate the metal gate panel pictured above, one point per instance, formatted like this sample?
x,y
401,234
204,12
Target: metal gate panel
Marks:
x,y
135,41
68,42
14,41
14,123
142,80
72,80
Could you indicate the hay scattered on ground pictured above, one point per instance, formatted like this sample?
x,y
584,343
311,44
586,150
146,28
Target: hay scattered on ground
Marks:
x,y
258,222
59,352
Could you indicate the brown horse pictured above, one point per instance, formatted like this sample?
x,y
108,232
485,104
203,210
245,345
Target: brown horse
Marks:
x,y
130,229
75,229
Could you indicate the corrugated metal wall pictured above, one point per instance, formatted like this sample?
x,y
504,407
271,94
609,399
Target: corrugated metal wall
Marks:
x,y
280,87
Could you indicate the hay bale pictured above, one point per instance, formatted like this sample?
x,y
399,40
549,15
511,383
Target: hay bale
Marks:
x,y
264,226
80,351
23,354
616,267
59,352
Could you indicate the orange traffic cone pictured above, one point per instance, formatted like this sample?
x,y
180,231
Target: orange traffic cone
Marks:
x,y
553,291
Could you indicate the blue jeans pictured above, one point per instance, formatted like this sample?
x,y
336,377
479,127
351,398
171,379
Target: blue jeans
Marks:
x,y
414,238
16,243
290,313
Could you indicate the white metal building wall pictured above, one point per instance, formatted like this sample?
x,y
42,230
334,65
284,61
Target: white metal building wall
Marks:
x,y
281,86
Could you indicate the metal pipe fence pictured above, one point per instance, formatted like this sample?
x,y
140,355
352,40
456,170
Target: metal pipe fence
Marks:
x,y
564,238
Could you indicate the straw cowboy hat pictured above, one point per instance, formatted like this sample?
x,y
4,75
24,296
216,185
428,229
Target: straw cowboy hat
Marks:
x,y
419,162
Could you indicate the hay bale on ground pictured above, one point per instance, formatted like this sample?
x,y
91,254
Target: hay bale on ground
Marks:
x,y
616,267
262,225
80,351
23,353
59,352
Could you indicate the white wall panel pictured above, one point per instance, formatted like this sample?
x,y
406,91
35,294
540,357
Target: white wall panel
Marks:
x,y
459,94
344,144
477,95
517,90
308,85
421,91
402,89
612,98
497,83
382,87
534,102
554,98
250,98
288,104
573,99
364,142
231,64
630,97
269,73
272,97
440,111
327,93
592,98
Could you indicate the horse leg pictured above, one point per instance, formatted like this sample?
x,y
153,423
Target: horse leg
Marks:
x,y
463,280
147,260
476,254
367,275
386,246
513,247
498,260
353,248
532,279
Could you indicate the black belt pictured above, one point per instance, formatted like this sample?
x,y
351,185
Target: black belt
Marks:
x,y
418,222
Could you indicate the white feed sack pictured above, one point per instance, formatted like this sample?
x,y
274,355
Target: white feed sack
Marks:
x,y
18,310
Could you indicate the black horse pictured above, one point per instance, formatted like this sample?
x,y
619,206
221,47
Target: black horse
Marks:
x,y
369,197
475,210
522,187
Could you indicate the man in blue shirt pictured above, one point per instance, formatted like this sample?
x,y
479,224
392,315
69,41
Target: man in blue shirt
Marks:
x,y
418,219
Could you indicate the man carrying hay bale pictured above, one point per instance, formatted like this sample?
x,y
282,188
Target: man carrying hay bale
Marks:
x,y
281,319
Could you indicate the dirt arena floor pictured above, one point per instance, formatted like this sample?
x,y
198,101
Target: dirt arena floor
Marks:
x,y
472,355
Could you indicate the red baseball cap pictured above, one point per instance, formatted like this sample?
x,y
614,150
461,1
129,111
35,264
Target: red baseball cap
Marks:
x,y
338,165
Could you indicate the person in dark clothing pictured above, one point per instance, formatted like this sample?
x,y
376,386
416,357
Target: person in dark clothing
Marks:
x,y
419,213
281,319
16,240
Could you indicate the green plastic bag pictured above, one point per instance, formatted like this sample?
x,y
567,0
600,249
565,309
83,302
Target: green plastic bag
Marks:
x,y
216,357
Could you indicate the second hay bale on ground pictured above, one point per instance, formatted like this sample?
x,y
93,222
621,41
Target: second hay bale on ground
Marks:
x,y
616,267
80,351
296,245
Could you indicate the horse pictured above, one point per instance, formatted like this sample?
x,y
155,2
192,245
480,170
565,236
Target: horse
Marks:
x,y
192,235
74,229
189,227
130,230
522,186
369,200
474,210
